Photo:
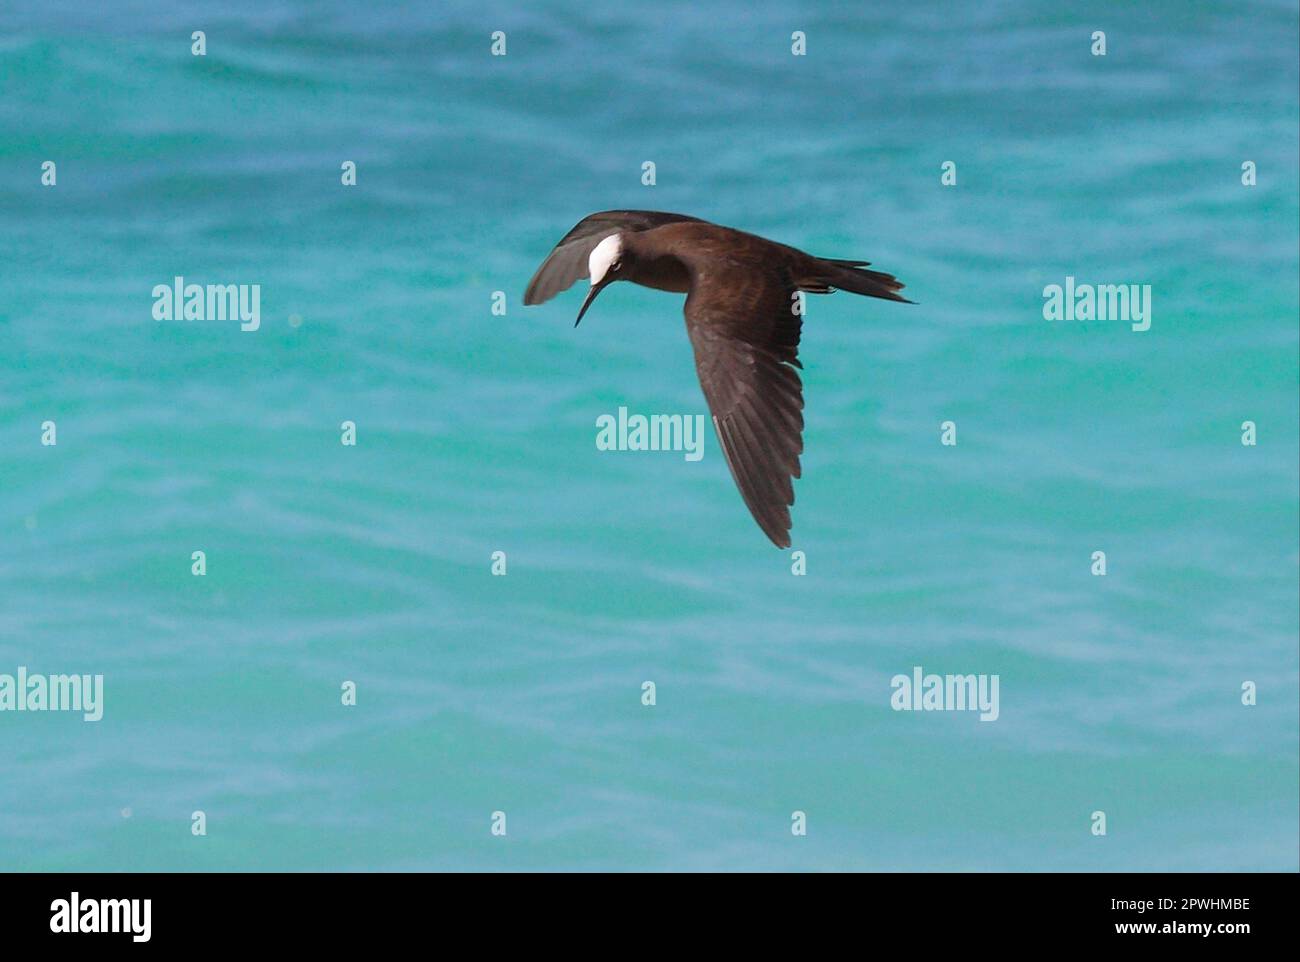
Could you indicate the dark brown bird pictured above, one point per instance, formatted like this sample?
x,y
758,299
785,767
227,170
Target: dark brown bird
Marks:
x,y
743,317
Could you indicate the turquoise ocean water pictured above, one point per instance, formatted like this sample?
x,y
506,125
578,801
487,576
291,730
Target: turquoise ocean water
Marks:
x,y
475,434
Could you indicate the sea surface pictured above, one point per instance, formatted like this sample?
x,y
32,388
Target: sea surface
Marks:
x,y
522,694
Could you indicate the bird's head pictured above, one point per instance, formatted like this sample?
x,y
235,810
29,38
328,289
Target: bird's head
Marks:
x,y
605,265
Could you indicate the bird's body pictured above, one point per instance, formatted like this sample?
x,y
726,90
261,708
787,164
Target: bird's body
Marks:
x,y
743,316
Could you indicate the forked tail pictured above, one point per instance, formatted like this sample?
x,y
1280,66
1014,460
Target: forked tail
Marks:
x,y
830,274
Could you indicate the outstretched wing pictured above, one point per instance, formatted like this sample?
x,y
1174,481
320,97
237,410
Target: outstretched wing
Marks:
x,y
745,331
567,263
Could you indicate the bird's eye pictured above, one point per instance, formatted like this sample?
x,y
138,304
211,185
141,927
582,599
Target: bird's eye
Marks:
x,y
616,265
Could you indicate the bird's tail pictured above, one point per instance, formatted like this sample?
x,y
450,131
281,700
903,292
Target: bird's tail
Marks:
x,y
830,274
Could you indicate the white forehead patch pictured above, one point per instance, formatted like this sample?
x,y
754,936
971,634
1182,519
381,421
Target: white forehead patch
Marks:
x,y
602,256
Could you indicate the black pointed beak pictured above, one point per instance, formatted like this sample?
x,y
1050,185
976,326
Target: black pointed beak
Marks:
x,y
591,296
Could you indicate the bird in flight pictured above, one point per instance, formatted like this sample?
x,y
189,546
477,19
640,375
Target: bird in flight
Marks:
x,y
743,318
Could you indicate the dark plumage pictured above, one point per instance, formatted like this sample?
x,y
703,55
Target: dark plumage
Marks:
x,y
741,317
